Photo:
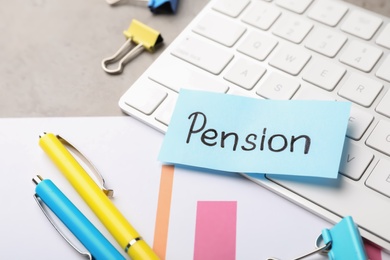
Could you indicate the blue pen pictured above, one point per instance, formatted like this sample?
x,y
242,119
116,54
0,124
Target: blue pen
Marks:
x,y
97,245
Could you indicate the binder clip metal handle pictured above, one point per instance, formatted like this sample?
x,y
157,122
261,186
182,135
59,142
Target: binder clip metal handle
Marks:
x,y
324,249
343,241
130,55
138,33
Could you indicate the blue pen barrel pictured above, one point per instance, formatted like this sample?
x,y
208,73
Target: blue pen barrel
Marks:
x,y
99,247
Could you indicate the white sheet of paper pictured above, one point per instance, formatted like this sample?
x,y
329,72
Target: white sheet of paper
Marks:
x,y
125,152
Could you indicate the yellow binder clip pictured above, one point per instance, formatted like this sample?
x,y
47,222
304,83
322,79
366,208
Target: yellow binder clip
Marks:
x,y
138,33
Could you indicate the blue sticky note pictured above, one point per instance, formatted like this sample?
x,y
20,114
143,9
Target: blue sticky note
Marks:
x,y
249,135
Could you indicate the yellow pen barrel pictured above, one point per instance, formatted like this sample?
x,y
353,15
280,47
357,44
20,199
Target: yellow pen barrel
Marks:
x,y
100,204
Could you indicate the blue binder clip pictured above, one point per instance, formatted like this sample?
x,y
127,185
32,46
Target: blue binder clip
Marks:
x,y
155,6
341,242
345,241
163,6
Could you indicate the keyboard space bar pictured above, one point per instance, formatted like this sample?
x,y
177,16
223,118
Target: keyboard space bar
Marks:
x,y
203,54
343,197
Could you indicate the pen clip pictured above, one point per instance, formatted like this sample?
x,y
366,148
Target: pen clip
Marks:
x,y
108,192
83,253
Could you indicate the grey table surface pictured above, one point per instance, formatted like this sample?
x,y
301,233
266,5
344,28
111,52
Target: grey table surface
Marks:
x,y
50,53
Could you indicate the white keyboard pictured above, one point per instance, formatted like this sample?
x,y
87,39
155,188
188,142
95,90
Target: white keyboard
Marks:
x,y
291,49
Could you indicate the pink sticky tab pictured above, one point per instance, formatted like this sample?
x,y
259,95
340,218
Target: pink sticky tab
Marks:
x,y
373,251
215,231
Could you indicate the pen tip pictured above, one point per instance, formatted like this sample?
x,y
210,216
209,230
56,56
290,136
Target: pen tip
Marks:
x,y
41,135
37,179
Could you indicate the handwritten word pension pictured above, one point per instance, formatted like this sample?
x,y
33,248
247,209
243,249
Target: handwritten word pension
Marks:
x,y
249,135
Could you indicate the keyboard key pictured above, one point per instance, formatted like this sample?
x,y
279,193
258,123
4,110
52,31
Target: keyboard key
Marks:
x,y
359,121
384,71
165,111
177,76
379,138
360,89
290,59
324,74
379,179
354,160
361,56
261,15
203,55
245,73
325,41
310,92
230,7
384,37
219,29
257,45
240,92
145,98
297,6
292,28
328,12
278,86
384,105
361,24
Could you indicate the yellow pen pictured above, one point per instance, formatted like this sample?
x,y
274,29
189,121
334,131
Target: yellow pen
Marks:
x,y
124,233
